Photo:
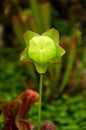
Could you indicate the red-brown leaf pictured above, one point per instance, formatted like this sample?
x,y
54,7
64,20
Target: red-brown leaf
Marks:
x,y
9,111
48,126
28,98
14,111
25,125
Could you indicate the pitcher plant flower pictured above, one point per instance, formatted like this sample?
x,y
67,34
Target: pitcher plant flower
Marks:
x,y
42,49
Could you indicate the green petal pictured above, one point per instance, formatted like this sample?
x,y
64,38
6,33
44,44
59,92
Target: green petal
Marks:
x,y
40,68
53,34
60,51
24,55
28,35
59,54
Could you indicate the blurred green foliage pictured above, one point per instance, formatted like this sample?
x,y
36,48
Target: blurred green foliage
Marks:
x,y
67,112
14,75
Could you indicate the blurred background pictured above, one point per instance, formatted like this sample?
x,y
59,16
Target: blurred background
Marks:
x,y
64,84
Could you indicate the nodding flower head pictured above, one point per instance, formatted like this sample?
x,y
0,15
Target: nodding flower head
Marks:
x,y
42,49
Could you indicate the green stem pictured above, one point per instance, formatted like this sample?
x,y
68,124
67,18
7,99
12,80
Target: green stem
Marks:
x,y
40,101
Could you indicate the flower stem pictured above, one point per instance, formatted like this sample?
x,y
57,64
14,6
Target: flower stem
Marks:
x,y
40,101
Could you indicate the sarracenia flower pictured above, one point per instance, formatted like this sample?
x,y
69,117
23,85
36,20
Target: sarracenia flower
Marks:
x,y
42,49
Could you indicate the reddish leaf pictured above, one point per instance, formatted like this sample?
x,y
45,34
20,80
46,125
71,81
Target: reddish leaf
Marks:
x,y
48,126
14,111
27,97
24,125
9,126
9,111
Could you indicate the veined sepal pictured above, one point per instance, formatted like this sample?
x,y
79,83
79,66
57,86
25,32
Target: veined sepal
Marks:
x,y
41,68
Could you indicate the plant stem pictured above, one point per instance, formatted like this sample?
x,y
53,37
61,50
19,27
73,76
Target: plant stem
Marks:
x,y
40,101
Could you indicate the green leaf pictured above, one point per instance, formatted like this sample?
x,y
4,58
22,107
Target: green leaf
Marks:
x,y
41,49
53,34
40,68
28,35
